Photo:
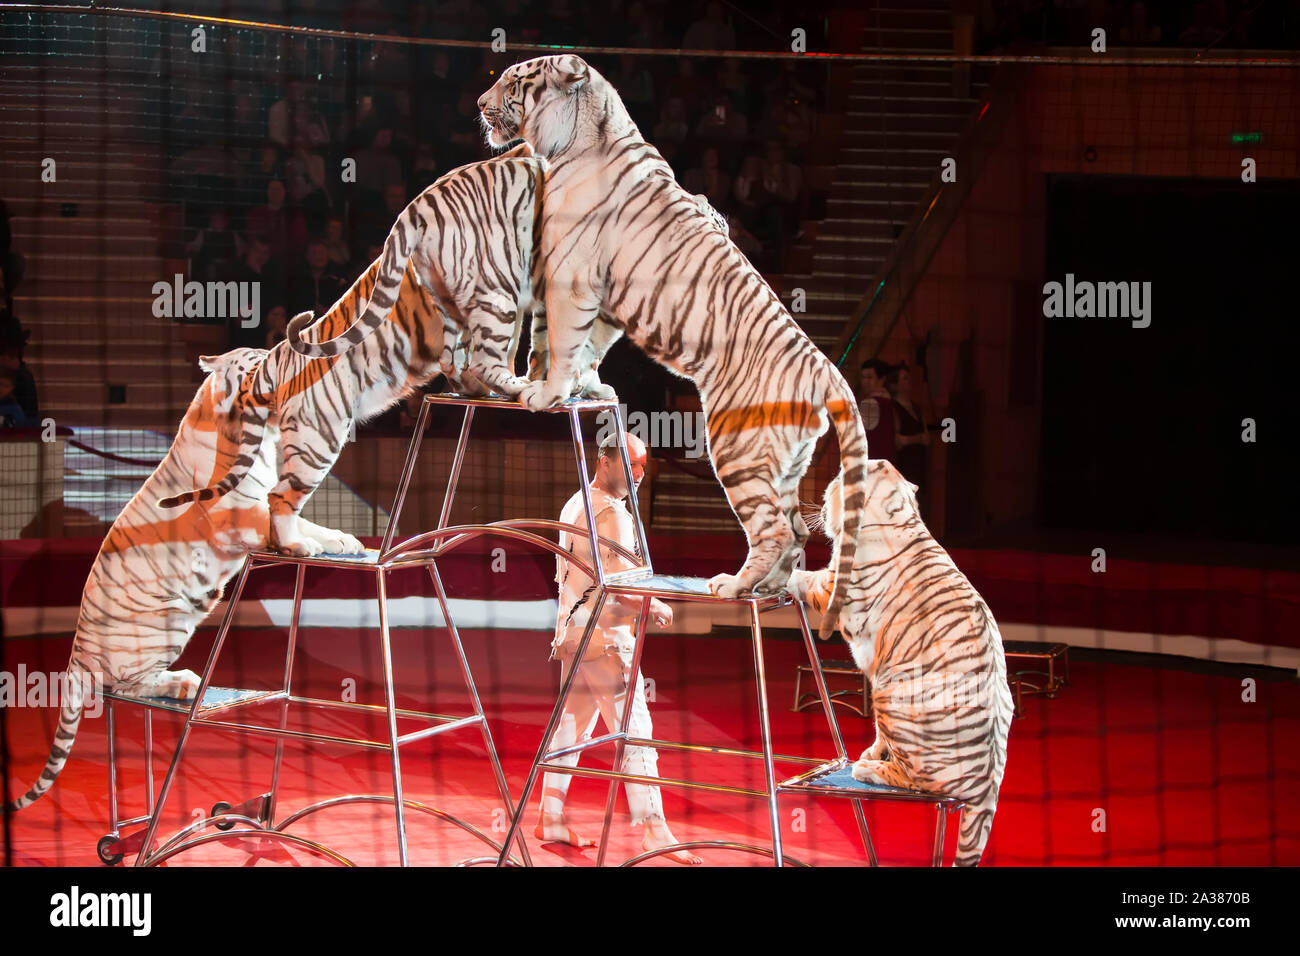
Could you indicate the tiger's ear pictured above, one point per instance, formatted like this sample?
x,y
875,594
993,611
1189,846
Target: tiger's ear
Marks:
x,y
209,362
571,73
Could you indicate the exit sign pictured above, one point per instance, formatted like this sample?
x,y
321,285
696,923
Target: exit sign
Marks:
x,y
1247,138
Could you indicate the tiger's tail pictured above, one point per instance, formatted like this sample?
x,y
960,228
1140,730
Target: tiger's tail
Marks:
x,y
401,242
976,822
254,405
73,705
853,473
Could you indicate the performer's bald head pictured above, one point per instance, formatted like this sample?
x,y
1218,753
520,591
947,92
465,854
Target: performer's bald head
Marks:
x,y
609,471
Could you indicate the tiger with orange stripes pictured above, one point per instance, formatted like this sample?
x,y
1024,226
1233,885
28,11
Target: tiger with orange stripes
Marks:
x,y
159,572
455,270
162,566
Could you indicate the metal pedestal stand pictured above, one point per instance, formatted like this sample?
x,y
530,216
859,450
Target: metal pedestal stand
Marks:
x,y
214,707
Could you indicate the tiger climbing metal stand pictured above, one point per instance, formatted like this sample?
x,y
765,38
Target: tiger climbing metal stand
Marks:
x,y
214,707
641,582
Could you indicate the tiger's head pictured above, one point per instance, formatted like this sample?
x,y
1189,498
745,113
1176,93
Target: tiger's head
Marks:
x,y
228,377
543,101
890,502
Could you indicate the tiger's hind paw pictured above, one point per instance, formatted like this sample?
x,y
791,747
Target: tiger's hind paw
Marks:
x,y
599,390
885,773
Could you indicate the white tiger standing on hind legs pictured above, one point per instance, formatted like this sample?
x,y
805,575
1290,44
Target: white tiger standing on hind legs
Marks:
x,y
928,644
619,236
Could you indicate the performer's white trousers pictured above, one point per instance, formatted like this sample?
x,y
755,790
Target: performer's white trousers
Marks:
x,y
600,690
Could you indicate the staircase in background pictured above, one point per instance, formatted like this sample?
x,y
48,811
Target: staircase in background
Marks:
x,y
92,241
876,162
901,121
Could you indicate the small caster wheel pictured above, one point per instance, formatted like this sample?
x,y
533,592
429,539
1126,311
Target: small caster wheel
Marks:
x,y
217,810
104,850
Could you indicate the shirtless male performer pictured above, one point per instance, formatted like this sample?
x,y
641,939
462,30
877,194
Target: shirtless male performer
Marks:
x,y
600,689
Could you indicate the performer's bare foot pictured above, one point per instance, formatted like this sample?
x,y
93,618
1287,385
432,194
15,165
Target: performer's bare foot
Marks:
x,y
551,828
656,835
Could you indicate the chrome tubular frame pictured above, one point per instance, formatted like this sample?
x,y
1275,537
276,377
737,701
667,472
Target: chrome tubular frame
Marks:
x,y
648,588
258,815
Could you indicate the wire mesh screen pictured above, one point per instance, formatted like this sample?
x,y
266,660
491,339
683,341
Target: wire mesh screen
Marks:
x,y
1049,272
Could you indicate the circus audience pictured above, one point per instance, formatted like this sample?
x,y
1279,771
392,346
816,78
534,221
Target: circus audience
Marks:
x,y
283,227
214,250
733,130
877,408
19,407
911,438
315,287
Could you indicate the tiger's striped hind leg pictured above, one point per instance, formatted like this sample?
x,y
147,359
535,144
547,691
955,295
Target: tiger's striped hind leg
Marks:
x,y
490,367
306,457
767,506
181,685
884,772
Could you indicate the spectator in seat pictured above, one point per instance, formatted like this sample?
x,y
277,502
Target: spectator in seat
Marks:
x,y
714,32
636,85
782,180
1138,30
277,325
284,229
425,169
23,390
377,166
339,253
911,438
722,123
267,164
376,222
261,267
672,127
315,286
295,115
790,121
365,258
214,250
12,414
731,78
305,183
465,139
685,84
12,264
710,179
784,83
877,409
645,30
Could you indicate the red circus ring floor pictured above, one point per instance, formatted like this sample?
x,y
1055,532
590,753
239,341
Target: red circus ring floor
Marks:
x,y
1187,772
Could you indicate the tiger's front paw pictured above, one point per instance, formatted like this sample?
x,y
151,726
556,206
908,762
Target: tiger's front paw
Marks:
x,y
726,586
537,396
300,548
798,584
338,542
